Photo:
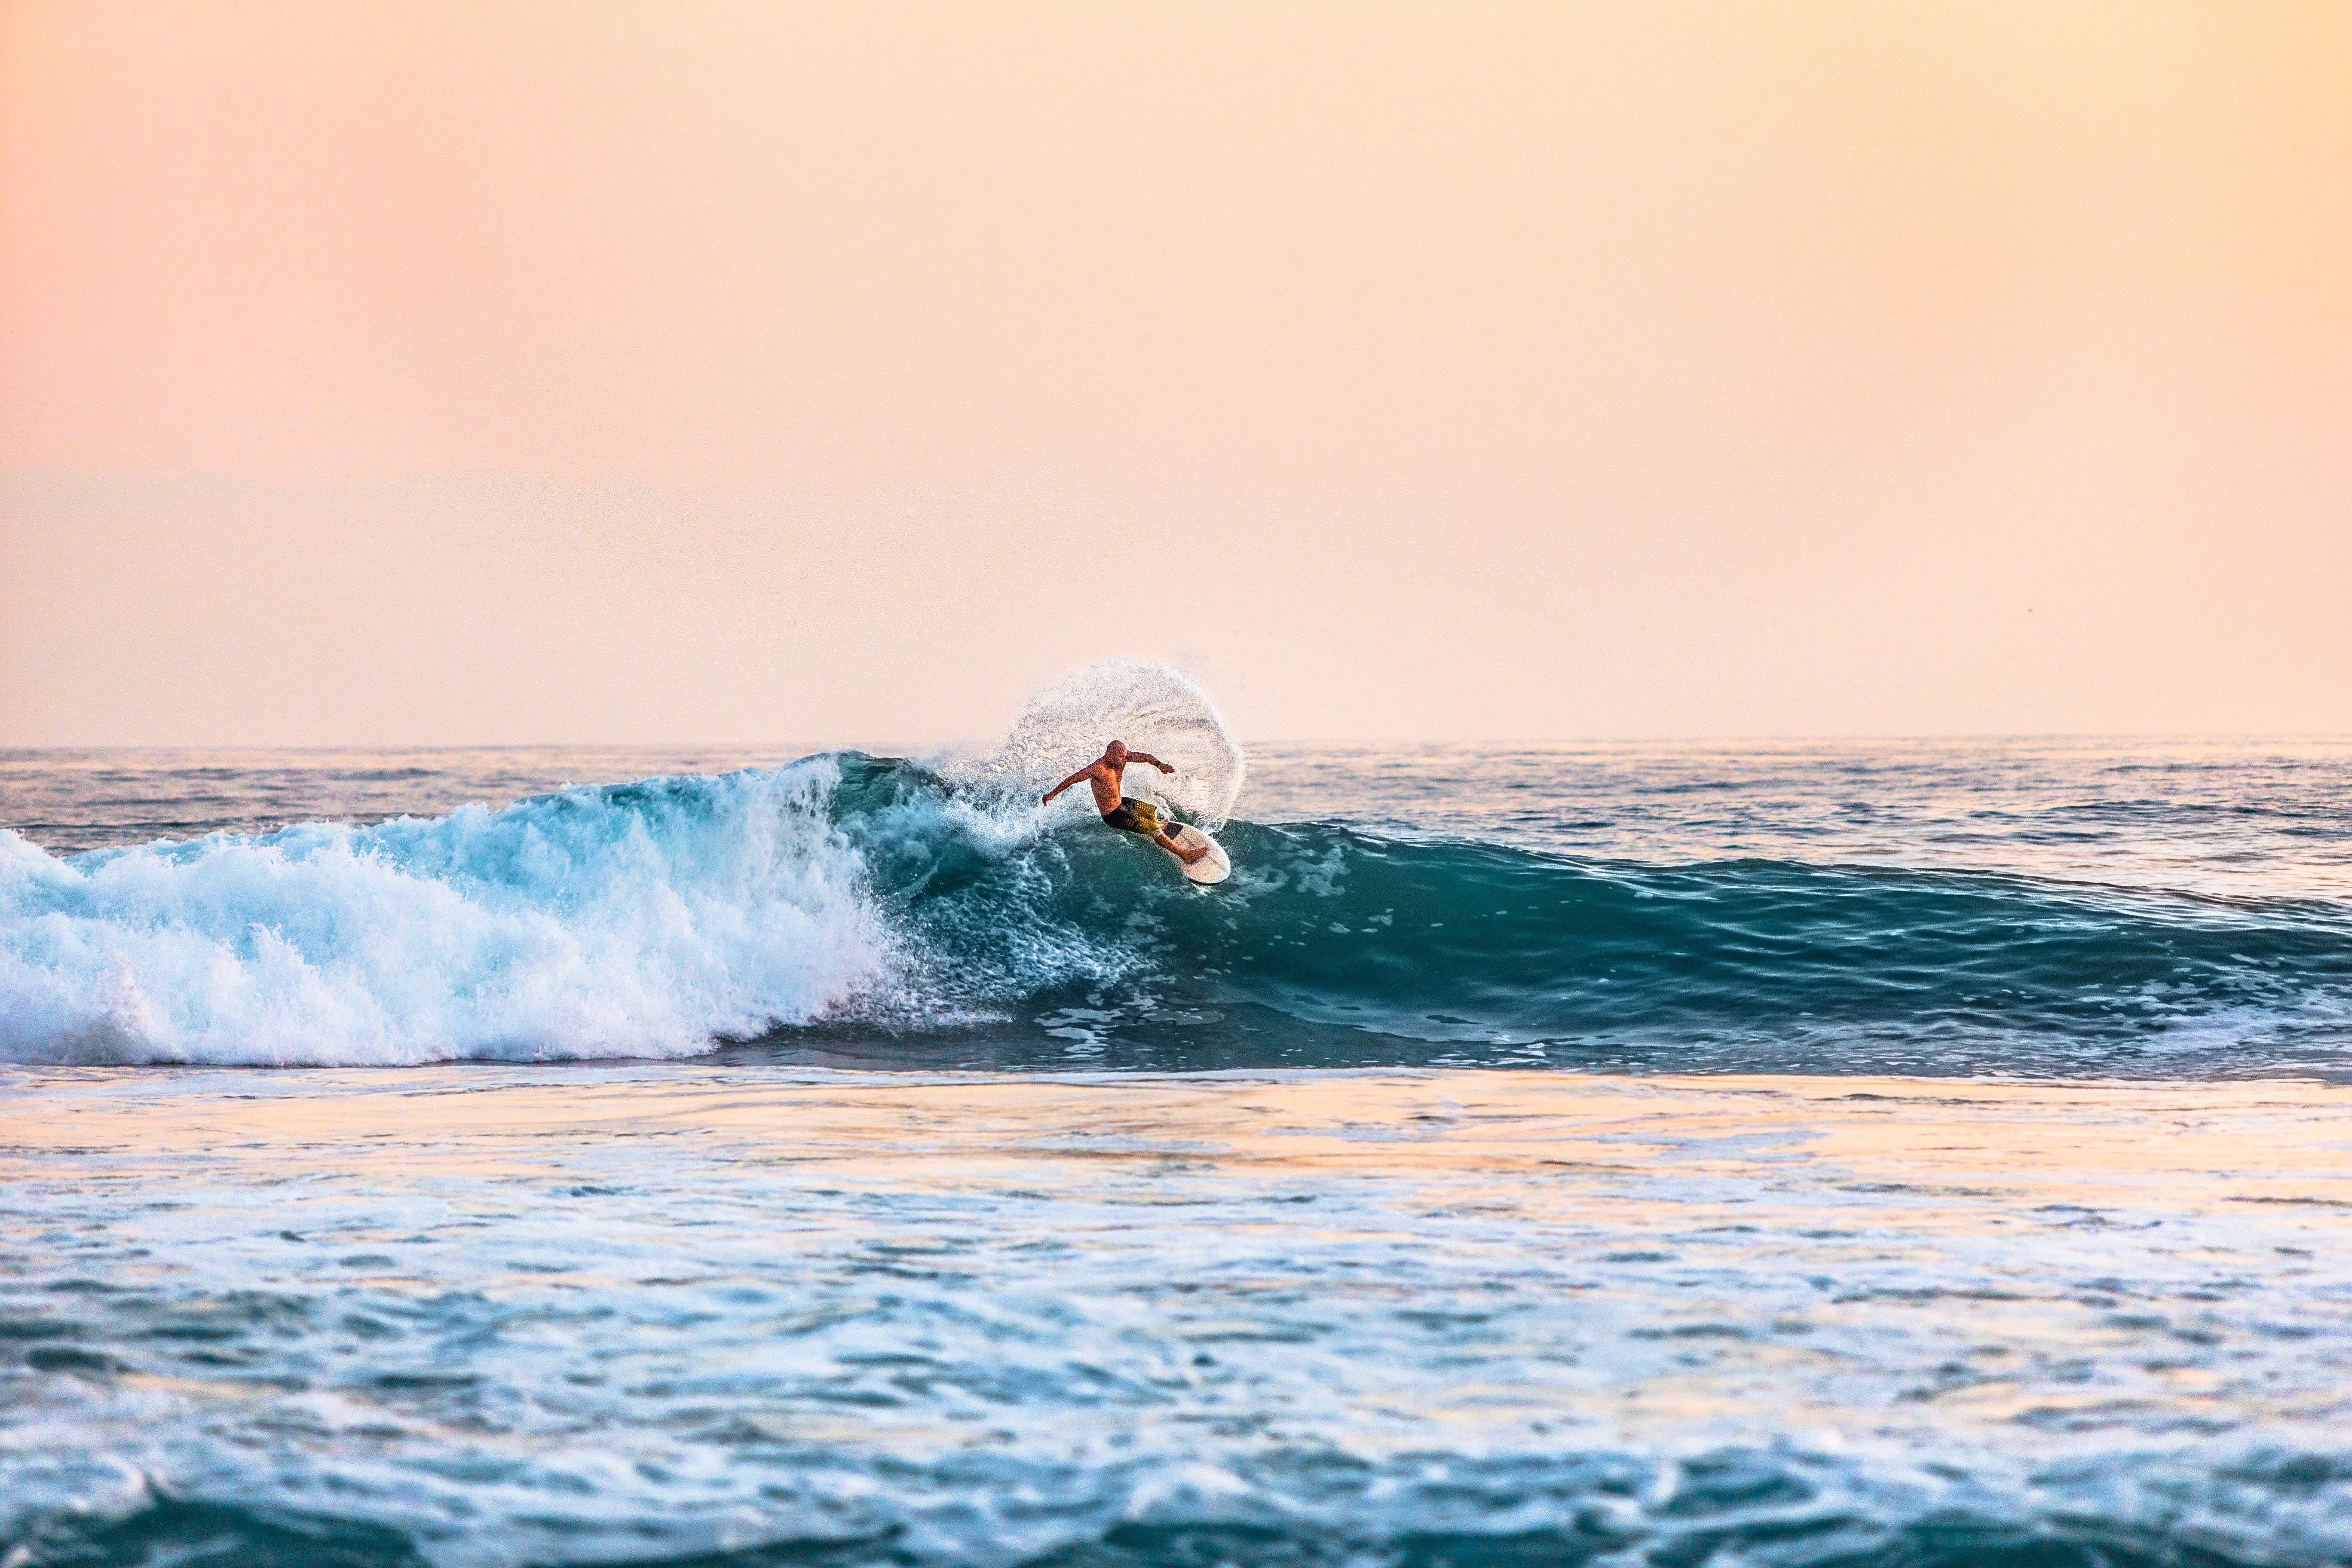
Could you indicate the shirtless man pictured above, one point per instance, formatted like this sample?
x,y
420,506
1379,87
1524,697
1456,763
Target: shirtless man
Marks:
x,y
1128,815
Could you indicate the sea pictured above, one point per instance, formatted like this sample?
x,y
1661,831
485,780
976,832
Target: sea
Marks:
x,y
1902,1154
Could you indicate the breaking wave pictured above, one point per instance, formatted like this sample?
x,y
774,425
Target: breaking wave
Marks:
x,y
898,910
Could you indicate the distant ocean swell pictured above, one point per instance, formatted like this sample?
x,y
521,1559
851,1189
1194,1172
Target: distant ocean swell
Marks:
x,y
847,897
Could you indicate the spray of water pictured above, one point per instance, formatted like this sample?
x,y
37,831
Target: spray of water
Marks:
x,y
1152,708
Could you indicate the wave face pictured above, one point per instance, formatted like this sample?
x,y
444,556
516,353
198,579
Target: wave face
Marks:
x,y
1335,947
884,909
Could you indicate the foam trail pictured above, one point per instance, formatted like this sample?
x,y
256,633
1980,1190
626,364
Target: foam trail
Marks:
x,y
1151,707
638,920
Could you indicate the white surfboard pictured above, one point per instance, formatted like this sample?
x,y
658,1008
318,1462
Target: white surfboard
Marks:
x,y
1210,868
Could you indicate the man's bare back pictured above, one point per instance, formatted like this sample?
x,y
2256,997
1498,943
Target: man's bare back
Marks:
x,y
1104,775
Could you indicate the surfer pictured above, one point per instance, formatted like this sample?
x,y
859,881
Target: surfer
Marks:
x,y
1125,813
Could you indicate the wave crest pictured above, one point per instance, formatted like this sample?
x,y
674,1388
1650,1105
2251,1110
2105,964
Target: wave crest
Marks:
x,y
641,919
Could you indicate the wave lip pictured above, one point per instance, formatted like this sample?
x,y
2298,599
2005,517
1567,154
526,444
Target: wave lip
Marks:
x,y
636,919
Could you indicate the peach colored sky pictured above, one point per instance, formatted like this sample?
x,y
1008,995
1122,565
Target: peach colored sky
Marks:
x,y
500,372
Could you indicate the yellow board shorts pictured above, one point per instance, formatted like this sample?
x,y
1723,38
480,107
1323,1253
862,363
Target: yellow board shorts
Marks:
x,y
1135,815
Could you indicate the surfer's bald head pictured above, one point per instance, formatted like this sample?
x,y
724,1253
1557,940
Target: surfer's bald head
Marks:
x,y
1116,749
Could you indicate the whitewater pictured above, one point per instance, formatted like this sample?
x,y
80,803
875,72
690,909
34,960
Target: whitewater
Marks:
x,y
1897,1154
652,918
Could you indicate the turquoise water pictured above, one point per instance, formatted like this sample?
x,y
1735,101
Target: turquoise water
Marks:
x,y
2031,907
757,1160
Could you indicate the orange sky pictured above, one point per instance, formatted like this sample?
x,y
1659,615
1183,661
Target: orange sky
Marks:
x,y
498,371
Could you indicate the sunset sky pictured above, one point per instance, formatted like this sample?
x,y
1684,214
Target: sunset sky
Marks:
x,y
836,373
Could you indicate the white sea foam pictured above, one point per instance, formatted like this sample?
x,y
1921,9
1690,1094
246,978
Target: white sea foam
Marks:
x,y
638,921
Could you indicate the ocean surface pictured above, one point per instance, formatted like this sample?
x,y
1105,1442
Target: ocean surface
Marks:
x,y
1896,1153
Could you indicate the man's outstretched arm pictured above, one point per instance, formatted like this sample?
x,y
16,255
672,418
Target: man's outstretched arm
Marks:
x,y
1065,784
1148,757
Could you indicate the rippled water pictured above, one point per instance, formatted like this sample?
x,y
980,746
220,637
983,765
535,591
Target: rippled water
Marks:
x,y
1317,1278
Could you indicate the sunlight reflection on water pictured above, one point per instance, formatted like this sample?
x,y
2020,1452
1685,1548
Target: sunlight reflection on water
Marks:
x,y
492,1309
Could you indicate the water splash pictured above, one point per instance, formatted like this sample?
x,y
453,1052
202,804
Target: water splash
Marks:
x,y
1152,708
